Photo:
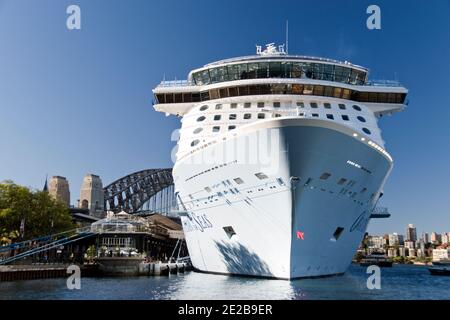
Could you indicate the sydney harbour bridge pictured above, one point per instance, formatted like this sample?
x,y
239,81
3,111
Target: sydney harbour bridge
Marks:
x,y
150,190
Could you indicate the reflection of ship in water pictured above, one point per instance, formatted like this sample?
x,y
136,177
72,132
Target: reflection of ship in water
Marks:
x,y
378,259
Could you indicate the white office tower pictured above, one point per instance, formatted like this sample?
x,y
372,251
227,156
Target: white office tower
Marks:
x,y
280,161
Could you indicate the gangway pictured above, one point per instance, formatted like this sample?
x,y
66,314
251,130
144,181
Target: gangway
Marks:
x,y
41,246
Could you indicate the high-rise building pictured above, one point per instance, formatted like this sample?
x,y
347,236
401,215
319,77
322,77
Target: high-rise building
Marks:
x,y
411,233
91,195
409,244
435,238
441,254
411,253
375,242
402,251
426,238
392,252
395,239
59,189
444,238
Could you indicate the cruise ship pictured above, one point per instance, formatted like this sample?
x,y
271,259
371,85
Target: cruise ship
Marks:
x,y
279,162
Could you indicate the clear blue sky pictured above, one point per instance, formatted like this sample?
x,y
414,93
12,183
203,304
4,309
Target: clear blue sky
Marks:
x,y
77,102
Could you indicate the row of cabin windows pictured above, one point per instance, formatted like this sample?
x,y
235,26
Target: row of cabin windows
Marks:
x,y
247,105
277,104
326,105
233,116
248,116
276,88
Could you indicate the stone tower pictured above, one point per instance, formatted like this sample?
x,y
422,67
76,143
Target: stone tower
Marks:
x,y
59,189
91,195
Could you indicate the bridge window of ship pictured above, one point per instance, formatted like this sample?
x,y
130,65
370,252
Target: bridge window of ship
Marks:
x,y
247,116
341,181
325,176
217,117
327,105
367,131
194,143
232,116
330,116
215,129
313,105
361,119
200,119
342,106
276,104
261,115
261,176
357,108
231,128
345,117
260,104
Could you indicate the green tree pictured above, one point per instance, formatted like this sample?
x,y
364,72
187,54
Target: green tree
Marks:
x,y
42,214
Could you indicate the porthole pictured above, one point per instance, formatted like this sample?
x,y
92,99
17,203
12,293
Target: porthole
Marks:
x,y
315,115
217,117
216,129
327,105
300,104
233,105
198,130
232,116
345,117
218,106
330,116
366,130
357,108
260,104
261,115
276,104
200,119
203,108
361,119
342,106
194,143
313,105
231,128
247,105
247,116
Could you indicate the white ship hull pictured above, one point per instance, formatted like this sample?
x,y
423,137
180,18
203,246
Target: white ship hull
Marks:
x,y
284,227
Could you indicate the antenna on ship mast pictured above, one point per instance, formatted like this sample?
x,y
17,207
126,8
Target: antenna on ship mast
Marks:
x,y
287,36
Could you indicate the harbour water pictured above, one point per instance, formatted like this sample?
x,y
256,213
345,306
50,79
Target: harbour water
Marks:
x,y
398,282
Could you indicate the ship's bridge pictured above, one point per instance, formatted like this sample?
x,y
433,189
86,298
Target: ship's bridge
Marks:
x,y
272,71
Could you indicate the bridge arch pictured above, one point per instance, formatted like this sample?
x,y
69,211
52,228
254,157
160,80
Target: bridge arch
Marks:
x,y
131,192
